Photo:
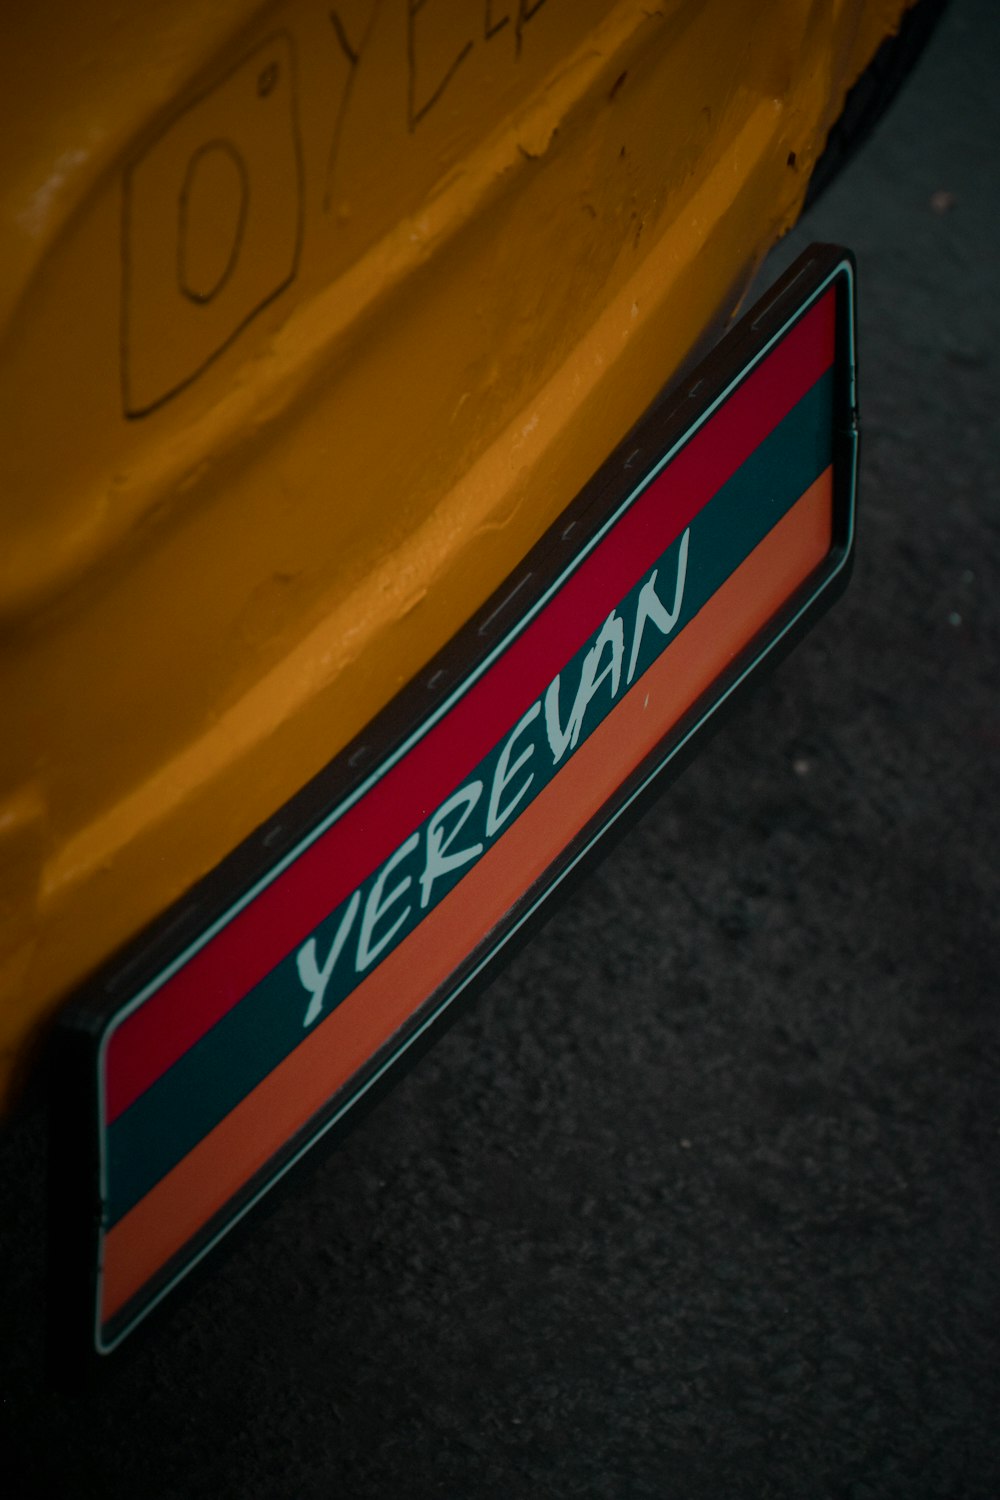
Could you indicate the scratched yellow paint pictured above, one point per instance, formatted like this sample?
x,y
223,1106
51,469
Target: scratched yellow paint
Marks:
x,y
312,318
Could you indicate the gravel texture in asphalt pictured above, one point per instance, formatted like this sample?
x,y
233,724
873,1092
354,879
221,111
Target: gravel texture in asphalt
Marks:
x,y
702,1197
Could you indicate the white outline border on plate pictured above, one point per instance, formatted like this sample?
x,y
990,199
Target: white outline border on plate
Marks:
x,y
842,267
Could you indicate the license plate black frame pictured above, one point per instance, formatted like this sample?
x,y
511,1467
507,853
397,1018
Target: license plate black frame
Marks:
x,y
80,1337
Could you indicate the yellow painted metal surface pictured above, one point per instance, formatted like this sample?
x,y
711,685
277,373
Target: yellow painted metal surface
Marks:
x,y
312,319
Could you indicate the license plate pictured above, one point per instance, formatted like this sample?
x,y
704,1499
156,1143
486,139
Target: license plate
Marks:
x,y
251,1021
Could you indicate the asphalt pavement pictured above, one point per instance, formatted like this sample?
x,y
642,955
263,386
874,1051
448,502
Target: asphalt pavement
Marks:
x,y
702,1196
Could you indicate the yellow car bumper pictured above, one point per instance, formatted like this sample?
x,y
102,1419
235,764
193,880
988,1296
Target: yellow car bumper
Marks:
x,y
313,320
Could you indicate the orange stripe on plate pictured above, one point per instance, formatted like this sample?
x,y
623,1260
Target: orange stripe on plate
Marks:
x,y
242,1143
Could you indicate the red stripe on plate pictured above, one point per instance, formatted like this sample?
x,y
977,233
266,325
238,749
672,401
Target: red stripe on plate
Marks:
x,y
160,1031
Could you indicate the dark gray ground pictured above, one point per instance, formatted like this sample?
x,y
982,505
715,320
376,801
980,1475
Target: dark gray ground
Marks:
x,y
702,1198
